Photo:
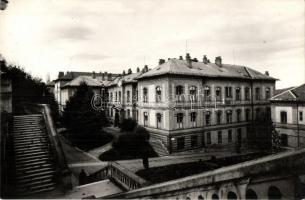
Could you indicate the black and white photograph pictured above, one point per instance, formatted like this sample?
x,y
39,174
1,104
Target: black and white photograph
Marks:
x,y
152,99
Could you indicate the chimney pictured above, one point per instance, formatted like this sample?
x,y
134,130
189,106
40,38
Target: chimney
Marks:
x,y
266,73
188,59
124,73
180,58
195,60
145,69
106,76
161,61
205,59
60,74
109,76
138,69
129,71
93,74
103,76
218,61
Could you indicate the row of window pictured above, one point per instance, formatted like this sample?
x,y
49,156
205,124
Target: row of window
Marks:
x,y
207,118
194,139
193,96
193,93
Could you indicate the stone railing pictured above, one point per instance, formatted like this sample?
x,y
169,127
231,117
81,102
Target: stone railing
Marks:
x,y
122,176
282,163
63,171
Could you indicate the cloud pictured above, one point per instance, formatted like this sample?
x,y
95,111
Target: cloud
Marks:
x,y
90,56
75,32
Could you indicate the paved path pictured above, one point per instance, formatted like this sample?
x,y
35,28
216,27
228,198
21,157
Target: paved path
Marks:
x,y
100,150
136,164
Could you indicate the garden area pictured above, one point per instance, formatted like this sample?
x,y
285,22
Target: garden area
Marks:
x,y
132,143
176,171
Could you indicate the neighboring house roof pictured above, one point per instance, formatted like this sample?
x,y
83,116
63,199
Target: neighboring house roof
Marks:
x,y
72,75
91,82
291,94
279,91
51,84
181,67
129,78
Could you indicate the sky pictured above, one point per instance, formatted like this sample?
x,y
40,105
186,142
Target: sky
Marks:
x,y
48,36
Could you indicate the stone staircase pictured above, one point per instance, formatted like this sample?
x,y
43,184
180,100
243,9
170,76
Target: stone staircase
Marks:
x,y
158,147
35,171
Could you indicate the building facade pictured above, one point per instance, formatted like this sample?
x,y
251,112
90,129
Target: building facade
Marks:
x,y
187,104
288,113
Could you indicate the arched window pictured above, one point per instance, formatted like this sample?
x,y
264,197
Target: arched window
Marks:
x,y
238,115
274,193
145,95
200,197
207,93
179,93
128,96
180,120
247,114
237,94
257,93
267,93
231,196
193,119
158,94
120,96
116,96
215,197
193,95
247,93
283,117
218,117
250,194
159,120
145,114
218,93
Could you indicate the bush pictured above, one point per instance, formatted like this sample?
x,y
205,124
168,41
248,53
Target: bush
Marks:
x,y
128,125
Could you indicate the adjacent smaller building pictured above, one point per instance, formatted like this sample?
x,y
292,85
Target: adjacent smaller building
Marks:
x,y
288,115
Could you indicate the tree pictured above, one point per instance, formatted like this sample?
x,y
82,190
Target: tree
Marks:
x,y
128,125
27,89
79,117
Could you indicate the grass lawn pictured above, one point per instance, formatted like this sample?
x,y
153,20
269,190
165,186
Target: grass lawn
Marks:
x,y
89,141
175,171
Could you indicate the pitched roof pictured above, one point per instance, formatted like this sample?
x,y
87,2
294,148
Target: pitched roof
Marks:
x,y
278,91
181,67
72,75
51,84
129,78
87,79
291,94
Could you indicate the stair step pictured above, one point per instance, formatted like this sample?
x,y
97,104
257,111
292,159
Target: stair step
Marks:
x,y
17,133
21,166
27,129
34,152
31,148
17,144
34,171
29,136
34,183
43,158
40,138
30,145
33,167
31,177
39,191
36,186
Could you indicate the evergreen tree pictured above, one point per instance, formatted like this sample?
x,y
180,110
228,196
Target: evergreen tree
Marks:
x,y
79,117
